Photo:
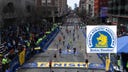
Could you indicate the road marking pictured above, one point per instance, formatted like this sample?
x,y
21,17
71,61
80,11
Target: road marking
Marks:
x,y
65,65
52,49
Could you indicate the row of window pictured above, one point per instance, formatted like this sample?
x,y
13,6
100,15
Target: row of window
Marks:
x,y
119,7
10,8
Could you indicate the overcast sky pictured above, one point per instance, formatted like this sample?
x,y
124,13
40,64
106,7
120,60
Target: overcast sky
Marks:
x,y
72,2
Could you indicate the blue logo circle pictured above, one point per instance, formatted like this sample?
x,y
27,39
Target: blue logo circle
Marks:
x,y
101,37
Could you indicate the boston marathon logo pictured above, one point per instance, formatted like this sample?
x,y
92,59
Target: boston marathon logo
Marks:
x,y
101,39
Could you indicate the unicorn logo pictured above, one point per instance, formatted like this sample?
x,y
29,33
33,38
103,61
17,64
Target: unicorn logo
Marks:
x,y
102,41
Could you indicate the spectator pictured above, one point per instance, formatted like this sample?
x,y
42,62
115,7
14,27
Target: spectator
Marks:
x,y
4,64
0,62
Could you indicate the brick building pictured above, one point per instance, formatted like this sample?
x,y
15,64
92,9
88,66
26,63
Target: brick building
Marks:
x,y
50,8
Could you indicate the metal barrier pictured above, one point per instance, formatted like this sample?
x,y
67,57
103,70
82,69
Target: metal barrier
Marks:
x,y
14,64
50,37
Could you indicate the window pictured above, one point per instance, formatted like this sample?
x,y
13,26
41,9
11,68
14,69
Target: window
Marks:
x,y
48,1
122,11
9,8
43,1
28,8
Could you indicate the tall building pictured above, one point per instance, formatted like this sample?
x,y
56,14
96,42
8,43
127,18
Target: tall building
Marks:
x,y
46,8
16,11
90,8
82,5
96,7
118,12
82,8
103,10
62,7
50,8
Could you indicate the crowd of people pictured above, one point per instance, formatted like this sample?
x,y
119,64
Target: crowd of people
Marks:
x,y
16,38
122,30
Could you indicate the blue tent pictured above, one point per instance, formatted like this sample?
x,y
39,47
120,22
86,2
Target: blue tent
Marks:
x,y
122,44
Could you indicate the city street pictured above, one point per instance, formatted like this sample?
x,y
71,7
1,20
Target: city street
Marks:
x,y
64,36
67,39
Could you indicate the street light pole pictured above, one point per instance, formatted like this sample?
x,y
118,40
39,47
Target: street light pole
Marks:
x,y
46,7
46,10
53,12
0,35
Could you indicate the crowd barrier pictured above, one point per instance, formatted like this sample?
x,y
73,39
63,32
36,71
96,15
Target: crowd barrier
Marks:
x,y
14,64
47,41
103,58
22,57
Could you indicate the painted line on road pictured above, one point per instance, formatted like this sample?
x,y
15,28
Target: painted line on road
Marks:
x,y
64,65
52,49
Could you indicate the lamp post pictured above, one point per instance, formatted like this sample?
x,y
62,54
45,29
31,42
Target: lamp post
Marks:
x,y
53,12
0,34
46,5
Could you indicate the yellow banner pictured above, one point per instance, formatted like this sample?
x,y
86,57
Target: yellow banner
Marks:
x,y
62,64
22,57
37,48
107,64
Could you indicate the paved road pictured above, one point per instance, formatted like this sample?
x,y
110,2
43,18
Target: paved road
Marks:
x,y
67,55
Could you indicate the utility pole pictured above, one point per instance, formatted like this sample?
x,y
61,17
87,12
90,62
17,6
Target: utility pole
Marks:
x,y
46,11
53,11
46,5
53,15
0,35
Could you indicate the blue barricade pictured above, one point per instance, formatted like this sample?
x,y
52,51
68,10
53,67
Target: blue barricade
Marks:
x,y
14,64
96,66
103,59
44,45
28,54
50,37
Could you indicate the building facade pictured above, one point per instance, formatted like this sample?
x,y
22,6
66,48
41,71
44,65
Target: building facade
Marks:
x,y
50,8
103,10
16,11
96,7
62,7
82,9
90,8
82,5
118,12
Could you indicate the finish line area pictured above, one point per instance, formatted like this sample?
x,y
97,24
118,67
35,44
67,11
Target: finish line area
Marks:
x,y
72,65
60,70
62,67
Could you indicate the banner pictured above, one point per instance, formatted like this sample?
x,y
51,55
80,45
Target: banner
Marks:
x,y
22,57
64,65
101,39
